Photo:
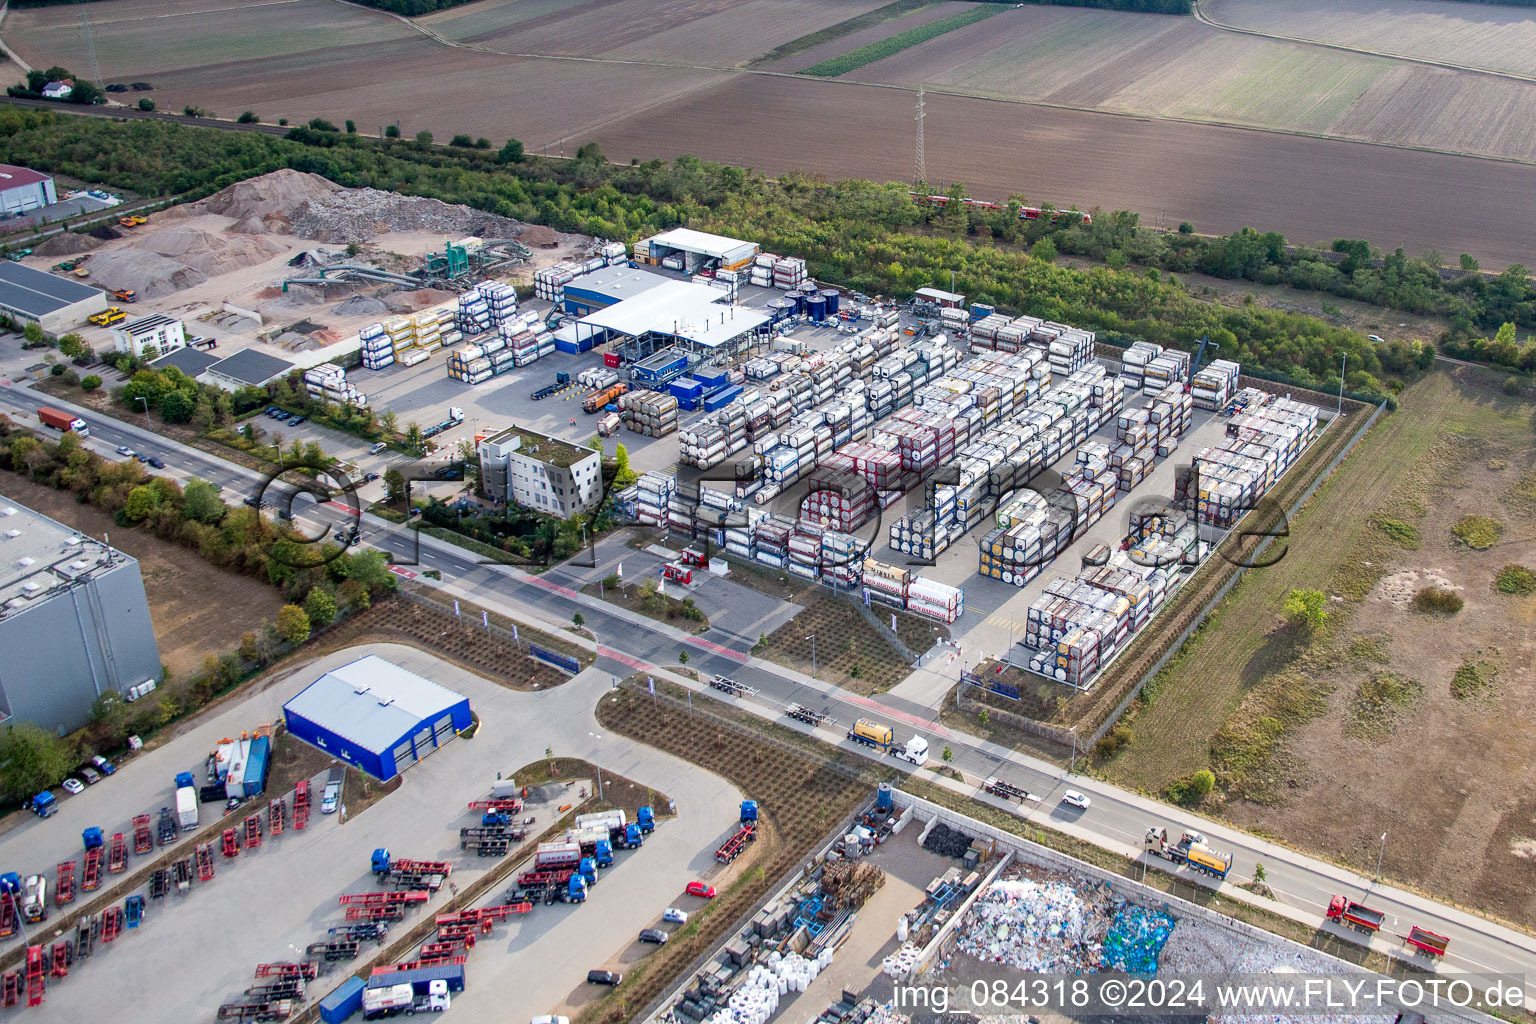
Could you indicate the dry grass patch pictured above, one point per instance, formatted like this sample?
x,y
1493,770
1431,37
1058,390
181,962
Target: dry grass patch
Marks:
x,y
1478,532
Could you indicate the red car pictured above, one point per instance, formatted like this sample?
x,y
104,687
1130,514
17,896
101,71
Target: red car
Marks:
x,y
701,889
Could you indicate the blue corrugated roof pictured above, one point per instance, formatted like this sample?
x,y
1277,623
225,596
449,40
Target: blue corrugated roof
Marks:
x,y
372,702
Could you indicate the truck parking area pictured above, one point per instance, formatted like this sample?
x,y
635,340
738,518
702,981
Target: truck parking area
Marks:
x,y
299,895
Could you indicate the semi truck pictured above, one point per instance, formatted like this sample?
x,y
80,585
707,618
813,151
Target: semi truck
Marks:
x,y
186,801
645,817
44,805
58,419
596,400
1191,849
872,734
1356,915
34,900
916,751
395,1000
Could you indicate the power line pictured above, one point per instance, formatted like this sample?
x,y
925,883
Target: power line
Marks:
x,y
90,48
921,169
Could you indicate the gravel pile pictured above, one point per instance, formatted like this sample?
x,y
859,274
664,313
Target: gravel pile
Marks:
x,y
148,273
360,214
360,305
66,244
251,202
209,253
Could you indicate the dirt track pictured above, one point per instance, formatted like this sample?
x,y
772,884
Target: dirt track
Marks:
x,y
1218,178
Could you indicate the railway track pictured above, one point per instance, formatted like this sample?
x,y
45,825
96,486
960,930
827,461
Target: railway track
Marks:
x,y
114,113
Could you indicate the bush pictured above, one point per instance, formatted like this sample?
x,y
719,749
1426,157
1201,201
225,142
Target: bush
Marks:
x,y
1306,608
1405,534
1511,385
56,370
1515,579
248,117
462,141
320,124
1113,742
1473,678
1192,789
91,383
1478,532
1437,599
145,103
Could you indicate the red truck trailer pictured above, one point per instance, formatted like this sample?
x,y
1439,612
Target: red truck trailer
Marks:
x,y
58,419
1357,915
1426,941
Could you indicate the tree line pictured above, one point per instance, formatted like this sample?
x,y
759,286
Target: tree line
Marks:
x,y
861,234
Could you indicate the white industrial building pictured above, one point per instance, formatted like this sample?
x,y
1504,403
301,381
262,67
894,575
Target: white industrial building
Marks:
x,y
539,472
695,317
165,333
56,304
23,189
74,621
693,251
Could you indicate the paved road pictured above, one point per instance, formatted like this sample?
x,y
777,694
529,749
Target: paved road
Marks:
x,y
1117,819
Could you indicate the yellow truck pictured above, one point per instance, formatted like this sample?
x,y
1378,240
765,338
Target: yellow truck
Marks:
x,y
872,734
108,317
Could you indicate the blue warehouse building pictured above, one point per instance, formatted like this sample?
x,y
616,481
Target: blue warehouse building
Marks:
x,y
376,716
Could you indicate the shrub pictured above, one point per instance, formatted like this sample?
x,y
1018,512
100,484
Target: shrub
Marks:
x,y
1478,532
320,124
1113,742
1437,599
91,383
462,141
1473,678
145,103
56,370
1511,385
248,117
1192,789
1306,608
1515,579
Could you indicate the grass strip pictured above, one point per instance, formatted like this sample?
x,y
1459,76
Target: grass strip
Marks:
x,y
869,19
900,41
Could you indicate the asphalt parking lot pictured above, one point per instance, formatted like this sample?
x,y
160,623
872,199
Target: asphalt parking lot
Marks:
x,y
270,903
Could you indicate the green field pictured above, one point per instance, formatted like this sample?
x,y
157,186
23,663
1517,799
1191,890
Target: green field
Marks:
x,y
895,44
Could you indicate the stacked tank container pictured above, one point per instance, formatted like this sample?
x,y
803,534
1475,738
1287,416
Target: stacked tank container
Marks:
x,y
934,600
788,273
1215,385
761,273
650,413
653,493
885,584
328,382
1133,363
401,331
378,349
1262,442
1172,367
549,282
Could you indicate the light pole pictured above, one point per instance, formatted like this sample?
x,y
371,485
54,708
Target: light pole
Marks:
x,y
595,740
1379,855
812,639
1073,768
146,412
1343,365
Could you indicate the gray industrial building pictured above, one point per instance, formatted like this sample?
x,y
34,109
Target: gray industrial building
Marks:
x,y
22,189
55,303
74,621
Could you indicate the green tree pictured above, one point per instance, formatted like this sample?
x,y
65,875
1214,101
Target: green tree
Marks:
x,y
682,657
1203,781
482,143
394,486
1468,263
32,759
293,624
248,117
351,127
109,719
1044,250
72,345
983,717
201,502
33,332
90,382
462,141
1186,228
623,475
392,131
948,755
511,153
389,421
1306,609
423,139
320,607
413,435
578,620
320,124
142,500
177,407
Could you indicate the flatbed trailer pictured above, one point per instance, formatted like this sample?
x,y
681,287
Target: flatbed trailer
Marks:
x,y
205,862
159,883
277,816
183,873
301,804
306,969
1426,941
253,831
143,838
362,930
281,987
64,885
231,843
800,713
340,949
727,685
1006,790
167,827
91,880
736,845
260,1010
506,804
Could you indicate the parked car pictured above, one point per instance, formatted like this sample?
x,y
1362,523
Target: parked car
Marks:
x,y
655,936
328,801
125,451
73,785
103,765
154,460
369,478
90,775
378,447
550,1018
703,889
141,456
604,977
252,501
674,916
297,420
1072,798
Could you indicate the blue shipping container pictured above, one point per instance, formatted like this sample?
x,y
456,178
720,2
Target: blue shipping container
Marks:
x,y
568,347
720,399
418,978
343,1002
712,378
256,766
686,387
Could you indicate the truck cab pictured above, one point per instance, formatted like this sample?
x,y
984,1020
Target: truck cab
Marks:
x,y
916,751
645,817
44,805
381,861
748,811
92,838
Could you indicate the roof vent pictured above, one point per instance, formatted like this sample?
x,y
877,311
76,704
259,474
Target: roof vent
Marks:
x,y
79,564
12,534
9,510
360,688
385,702
25,561
74,539
32,586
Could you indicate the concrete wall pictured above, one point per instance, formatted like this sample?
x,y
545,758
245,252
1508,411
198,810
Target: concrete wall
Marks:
x,y
65,651
62,321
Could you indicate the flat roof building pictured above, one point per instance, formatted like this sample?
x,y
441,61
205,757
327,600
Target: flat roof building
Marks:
x,y
164,333
376,716
54,303
539,472
697,317
699,250
609,286
74,621
23,189
246,368
188,360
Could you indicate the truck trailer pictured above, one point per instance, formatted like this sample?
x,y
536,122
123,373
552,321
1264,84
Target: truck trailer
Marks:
x,y
186,801
872,734
58,419
395,1000
1191,849
1356,915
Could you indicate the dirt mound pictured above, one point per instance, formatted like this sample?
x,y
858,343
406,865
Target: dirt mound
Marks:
x,y
280,192
360,214
148,273
66,244
540,235
209,253
360,305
